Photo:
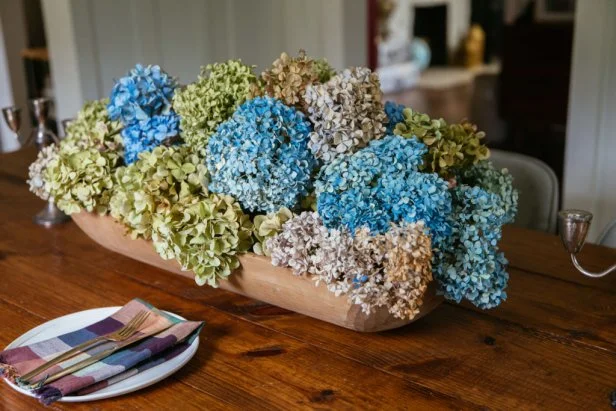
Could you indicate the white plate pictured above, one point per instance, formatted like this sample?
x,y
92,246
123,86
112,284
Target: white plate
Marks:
x,y
75,321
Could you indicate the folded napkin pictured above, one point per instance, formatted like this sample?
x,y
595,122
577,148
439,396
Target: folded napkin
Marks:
x,y
164,337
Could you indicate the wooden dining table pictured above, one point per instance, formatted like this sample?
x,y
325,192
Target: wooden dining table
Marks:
x,y
551,345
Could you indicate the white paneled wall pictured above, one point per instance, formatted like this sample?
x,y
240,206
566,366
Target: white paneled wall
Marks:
x,y
590,155
93,42
12,77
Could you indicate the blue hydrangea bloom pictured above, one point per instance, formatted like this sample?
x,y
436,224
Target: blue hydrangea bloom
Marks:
x,y
144,92
469,264
261,157
142,102
484,175
381,184
394,115
147,134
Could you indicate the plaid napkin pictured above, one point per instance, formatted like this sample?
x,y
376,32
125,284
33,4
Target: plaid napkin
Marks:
x,y
165,338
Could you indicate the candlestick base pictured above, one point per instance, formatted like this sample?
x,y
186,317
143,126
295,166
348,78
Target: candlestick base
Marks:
x,y
50,216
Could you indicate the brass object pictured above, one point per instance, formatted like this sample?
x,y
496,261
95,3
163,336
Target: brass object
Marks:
x,y
122,334
573,226
384,10
474,46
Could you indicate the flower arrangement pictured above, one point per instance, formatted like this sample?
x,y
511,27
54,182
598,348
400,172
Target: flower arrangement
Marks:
x,y
303,165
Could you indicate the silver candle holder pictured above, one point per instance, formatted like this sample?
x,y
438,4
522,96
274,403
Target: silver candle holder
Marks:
x,y
573,226
42,136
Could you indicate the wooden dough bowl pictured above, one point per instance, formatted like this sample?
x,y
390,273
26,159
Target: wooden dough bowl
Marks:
x,y
257,278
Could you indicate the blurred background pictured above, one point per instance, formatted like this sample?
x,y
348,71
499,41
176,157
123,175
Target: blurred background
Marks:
x,y
539,76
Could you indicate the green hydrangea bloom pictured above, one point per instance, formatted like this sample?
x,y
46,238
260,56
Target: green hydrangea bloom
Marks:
x,y
323,69
450,147
204,237
81,132
78,171
154,183
81,179
203,105
267,226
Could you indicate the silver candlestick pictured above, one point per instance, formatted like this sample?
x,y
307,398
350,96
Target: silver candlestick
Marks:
x,y
573,226
66,124
42,136
12,117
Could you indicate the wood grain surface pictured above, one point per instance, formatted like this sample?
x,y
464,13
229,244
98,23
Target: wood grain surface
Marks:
x,y
551,345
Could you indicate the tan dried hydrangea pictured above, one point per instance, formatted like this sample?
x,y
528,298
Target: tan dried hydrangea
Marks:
x,y
389,270
288,78
406,270
295,245
347,113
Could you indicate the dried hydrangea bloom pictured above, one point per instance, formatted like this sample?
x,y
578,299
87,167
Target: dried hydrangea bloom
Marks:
x,y
380,185
451,147
297,243
387,270
267,226
142,93
288,77
347,113
81,180
323,69
212,99
470,265
261,157
154,183
36,171
406,270
334,261
394,115
93,128
205,236
80,177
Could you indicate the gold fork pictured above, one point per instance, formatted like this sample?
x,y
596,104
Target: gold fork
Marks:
x,y
119,335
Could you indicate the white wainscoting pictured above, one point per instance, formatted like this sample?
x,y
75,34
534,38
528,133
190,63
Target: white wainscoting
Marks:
x,y
590,158
93,42
12,76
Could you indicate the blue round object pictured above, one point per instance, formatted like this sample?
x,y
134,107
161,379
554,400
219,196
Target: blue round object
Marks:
x,y
420,53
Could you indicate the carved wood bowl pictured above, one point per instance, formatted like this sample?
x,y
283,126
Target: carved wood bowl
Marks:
x,y
257,278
